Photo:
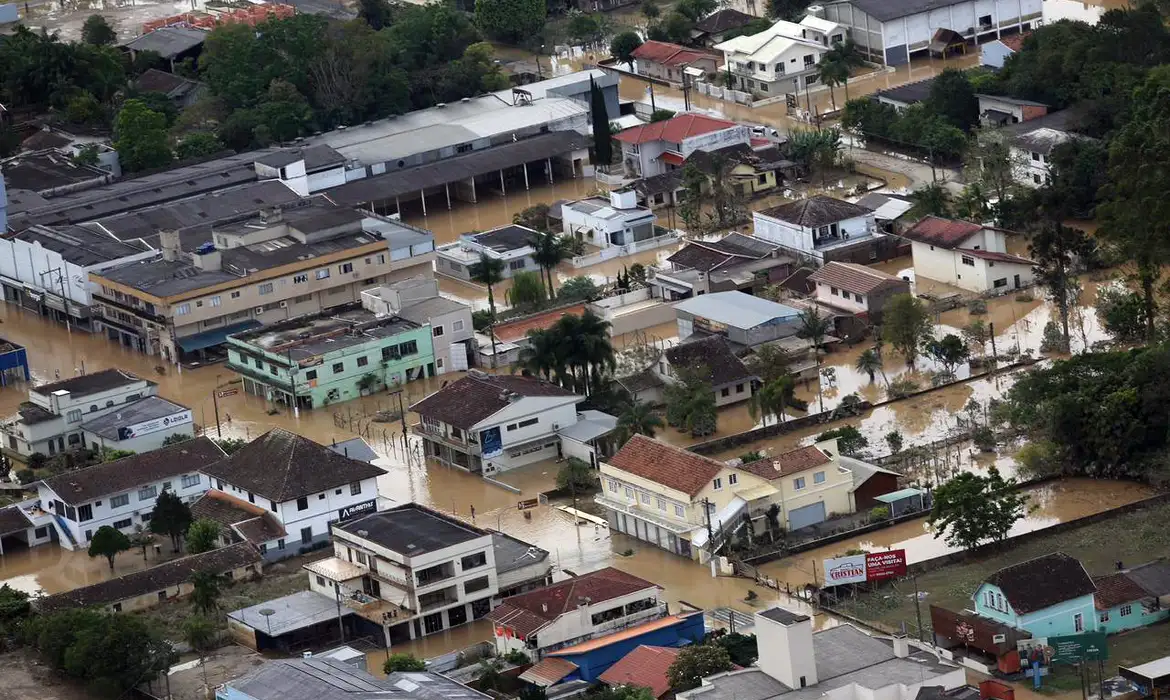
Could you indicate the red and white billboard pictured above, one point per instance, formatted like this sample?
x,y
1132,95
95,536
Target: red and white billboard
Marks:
x,y
865,568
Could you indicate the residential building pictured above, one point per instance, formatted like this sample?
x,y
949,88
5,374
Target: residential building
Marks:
x,y
994,54
967,255
181,91
1047,596
520,566
141,426
491,423
665,61
652,149
579,609
122,493
812,484
51,420
24,525
305,485
888,210
711,358
902,96
417,299
172,44
1031,144
324,678
781,59
52,138
840,662
893,32
605,223
1133,597
998,110
857,288
241,521
172,580
254,271
325,358
734,263
510,244
744,320
822,228
416,571
714,27
511,336
750,170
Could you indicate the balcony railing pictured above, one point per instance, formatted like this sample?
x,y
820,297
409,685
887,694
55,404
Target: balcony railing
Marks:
x,y
438,603
632,619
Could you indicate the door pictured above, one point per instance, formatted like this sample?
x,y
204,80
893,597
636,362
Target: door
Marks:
x,y
1079,623
808,515
1017,281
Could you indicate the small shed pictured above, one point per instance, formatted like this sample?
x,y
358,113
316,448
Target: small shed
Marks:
x,y
908,500
947,41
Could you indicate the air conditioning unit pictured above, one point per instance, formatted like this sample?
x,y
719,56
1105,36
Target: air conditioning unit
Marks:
x,y
259,310
999,639
556,426
284,304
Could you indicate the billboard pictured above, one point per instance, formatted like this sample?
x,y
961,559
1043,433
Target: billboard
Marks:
x,y
1066,649
363,508
153,426
491,442
865,568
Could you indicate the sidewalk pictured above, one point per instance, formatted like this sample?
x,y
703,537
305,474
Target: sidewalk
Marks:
x,y
919,173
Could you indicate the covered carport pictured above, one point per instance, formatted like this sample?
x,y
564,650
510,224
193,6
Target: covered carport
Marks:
x,y
14,529
1152,679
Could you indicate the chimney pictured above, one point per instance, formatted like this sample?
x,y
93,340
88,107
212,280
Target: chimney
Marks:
x,y
544,607
271,216
786,647
169,242
901,646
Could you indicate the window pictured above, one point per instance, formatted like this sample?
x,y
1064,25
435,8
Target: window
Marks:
x,y
183,309
779,69
120,500
732,479
680,511
338,367
306,534
819,478
355,488
280,544
345,268
985,21
1035,156
410,347
725,391
629,492
463,148
263,548
235,295
320,580
437,331
613,485
1036,179
763,86
323,273
476,584
301,278
809,60
1124,611
739,388
303,503
117,607
968,261
1001,282
798,484
215,300
457,325
456,433
272,506
122,524
190,480
833,291
363,361
645,498
661,503
528,422
990,599
147,492
84,513
1105,617
999,602
74,416
162,595
259,362
311,375
517,264
473,561
265,288
1079,623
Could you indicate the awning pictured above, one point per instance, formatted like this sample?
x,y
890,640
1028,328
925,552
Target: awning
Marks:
x,y
898,495
218,336
548,672
672,158
757,492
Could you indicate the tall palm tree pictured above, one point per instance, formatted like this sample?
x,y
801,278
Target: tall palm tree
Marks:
x,y
548,252
814,327
847,57
773,398
542,355
490,272
593,349
832,72
869,362
639,418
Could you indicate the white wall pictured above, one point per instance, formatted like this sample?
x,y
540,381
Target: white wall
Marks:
x,y
325,179
825,294
716,139
1028,167
781,232
548,411
578,623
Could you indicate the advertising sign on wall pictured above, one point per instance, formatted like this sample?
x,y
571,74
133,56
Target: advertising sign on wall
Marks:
x,y
357,509
1066,649
863,568
491,442
843,570
153,426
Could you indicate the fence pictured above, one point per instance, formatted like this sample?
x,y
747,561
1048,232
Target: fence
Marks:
x,y
614,251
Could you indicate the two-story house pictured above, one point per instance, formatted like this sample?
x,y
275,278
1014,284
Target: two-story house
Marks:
x,y
417,299
734,263
812,484
605,223
1031,143
51,421
966,255
582,608
822,228
857,289
489,423
122,493
781,59
712,359
1047,596
306,486
510,244
659,147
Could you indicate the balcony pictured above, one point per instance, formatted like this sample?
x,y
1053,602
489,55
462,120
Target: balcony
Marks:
x,y
636,618
679,527
464,443
438,599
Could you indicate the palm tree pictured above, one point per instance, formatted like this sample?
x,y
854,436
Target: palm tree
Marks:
x,y
548,252
847,57
593,348
869,362
773,398
814,327
489,271
542,355
639,418
832,72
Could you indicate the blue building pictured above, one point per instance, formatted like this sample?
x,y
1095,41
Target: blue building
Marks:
x,y
13,357
1047,596
1133,598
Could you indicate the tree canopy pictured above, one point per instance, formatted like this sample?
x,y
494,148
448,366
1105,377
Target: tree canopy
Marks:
x,y
696,662
971,509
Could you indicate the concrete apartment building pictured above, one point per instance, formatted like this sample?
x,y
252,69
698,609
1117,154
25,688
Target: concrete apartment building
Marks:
x,y
333,356
255,270
510,244
417,299
325,677
52,420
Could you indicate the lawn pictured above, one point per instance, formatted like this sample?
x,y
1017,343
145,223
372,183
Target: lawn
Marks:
x,y
1127,649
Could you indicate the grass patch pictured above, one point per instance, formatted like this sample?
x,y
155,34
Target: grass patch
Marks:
x,y
1125,649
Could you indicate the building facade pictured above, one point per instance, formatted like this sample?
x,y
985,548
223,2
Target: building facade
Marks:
x,y
821,228
1047,596
417,299
510,244
967,255
781,60
617,221
666,61
856,288
653,149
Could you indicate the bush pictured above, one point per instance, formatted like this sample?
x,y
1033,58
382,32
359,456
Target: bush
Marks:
x,y
403,662
576,475
879,512
37,460
515,656
977,307
481,319
26,476
901,388
984,438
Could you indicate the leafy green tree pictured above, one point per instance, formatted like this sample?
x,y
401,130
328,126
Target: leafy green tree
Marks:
x,y
695,10
661,115
108,542
175,439
14,607
510,20
953,98
971,508
690,402
742,648
198,145
989,162
832,72
1057,248
869,362
674,27
650,10
205,592
931,200
200,634
580,288
535,217
97,31
895,441
170,517
85,109
1121,312
602,135
527,290
637,419
587,30
110,653
140,137
790,10
814,327
284,111
376,13
403,662
769,363
752,28
230,445
202,536
1077,169
773,398
576,475
850,440
949,351
696,662
905,325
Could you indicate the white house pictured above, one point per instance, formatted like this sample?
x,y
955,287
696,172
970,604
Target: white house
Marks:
x,y
52,419
141,426
966,255
616,221
659,147
582,608
781,59
305,486
856,288
891,32
999,110
417,299
510,244
122,493
491,423
821,228
1031,144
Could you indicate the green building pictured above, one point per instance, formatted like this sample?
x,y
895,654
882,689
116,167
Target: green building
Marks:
x,y
337,355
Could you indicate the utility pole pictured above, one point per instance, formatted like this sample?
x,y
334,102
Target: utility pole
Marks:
x,y
991,334
215,402
918,610
64,298
653,107
292,383
340,619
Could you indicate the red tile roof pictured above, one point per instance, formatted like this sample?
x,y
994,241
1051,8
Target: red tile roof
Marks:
x,y
512,331
644,667
669,54
1117,589
788,463
947,233
527,613
674,130
465,402
673,467
1015,42
672,158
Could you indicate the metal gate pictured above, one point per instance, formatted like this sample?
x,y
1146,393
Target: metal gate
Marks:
x,y
805,516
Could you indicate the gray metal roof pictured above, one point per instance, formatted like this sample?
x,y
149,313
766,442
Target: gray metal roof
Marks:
x,y
290,613
150,408
512,554
168,42
910,93
79,245
355,448
47,170
886,10
590,425
736,309
411,529
319,678
423,311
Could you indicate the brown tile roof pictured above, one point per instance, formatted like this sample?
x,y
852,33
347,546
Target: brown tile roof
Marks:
x,y
713,357
282,466
465,402
673,467
946,233
999,257
671,54
721,21
674,130
110,478
156,578
250,522
548,671
644,667
790,462
512,331
858,279
1015,42
12,519
1116,589
528,612
818,210
1042,582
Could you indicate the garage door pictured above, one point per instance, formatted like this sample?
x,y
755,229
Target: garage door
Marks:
x,y
808,515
